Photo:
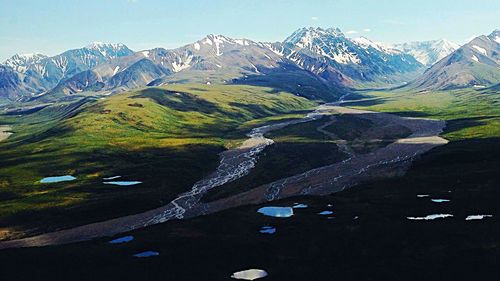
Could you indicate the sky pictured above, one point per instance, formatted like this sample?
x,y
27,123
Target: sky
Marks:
x,y
53,26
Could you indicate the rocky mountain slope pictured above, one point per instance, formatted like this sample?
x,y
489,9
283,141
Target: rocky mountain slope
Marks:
x,y
313,62
475,64
330,54
324,59
39,74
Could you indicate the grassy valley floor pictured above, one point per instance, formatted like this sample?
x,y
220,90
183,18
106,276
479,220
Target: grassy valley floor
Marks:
x,y
168,138
367,237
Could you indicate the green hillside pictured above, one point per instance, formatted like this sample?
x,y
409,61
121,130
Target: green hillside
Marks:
x,y
167,137
469,113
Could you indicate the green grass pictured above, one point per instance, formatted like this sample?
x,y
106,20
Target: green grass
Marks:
x,y
380,244
166,137
470,113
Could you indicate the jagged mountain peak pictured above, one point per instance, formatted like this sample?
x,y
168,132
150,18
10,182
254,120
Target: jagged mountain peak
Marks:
x,y
319,30
20,62
30,56
304,37
101,45
109,50
495,35
213,40
324,55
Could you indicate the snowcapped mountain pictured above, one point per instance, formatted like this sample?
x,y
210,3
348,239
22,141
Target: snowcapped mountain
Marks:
x,y
475,64
71,62
428,52
331,55
495,35
20,62
39,73
214,59
215,52
312,62
109,50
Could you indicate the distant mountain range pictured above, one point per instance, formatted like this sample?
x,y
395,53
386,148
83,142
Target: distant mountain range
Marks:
x,y
475,64
428,52
349,62
29,75
322,58
313,62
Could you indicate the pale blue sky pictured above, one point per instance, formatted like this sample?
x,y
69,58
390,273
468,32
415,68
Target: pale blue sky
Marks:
x,y
52,26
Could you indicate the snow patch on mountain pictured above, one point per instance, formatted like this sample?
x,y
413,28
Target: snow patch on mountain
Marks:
x,y
219,41
180,65
116,69
208,41
481,50
367,43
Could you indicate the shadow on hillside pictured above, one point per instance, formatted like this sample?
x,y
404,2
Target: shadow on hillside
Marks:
x,y
367,102
409,113
369,231
463,123
179,101
292,79
165,173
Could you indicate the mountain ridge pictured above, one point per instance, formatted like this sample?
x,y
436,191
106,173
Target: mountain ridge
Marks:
x,y
317,57
475,64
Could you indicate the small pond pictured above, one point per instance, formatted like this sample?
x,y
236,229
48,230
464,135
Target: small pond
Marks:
x,y
146,254
278,212
250,274
120,240
123,183
57,179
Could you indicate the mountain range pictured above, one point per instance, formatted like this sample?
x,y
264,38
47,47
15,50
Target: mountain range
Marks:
x,y
475,64
428,52
34,74
313,62
321,58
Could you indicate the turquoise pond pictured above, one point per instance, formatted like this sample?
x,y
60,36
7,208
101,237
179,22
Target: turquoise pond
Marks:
x,y
277,212
123,183
57,179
